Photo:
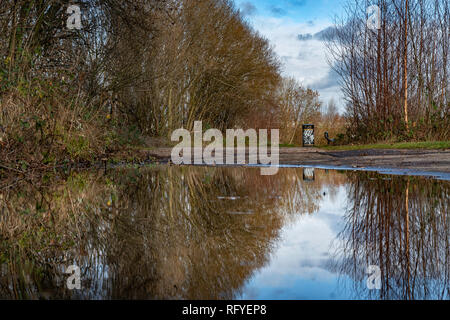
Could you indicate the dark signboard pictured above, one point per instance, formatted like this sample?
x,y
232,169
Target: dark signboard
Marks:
x,y
308,135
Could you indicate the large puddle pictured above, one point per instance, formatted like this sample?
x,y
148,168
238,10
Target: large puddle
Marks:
x,y
225,233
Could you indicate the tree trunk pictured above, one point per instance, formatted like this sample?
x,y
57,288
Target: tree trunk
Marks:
x,y
406,67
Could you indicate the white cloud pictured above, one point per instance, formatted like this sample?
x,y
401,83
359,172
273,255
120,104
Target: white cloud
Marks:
x,y
304,60
304,251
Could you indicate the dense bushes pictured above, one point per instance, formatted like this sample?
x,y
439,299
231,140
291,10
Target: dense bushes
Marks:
x,y
136,68
42,125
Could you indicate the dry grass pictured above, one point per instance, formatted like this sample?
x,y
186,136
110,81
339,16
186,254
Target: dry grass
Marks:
x,y
40,124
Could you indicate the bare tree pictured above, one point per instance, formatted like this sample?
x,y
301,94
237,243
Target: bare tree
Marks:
x,y
404,63
298,105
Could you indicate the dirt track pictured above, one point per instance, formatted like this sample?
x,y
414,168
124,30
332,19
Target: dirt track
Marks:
x,y
417,160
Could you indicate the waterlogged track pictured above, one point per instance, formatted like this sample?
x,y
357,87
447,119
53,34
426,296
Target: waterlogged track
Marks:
x,y
202,233
411,162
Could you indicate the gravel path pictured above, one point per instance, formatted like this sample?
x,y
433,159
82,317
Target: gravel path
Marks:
x,y
416,160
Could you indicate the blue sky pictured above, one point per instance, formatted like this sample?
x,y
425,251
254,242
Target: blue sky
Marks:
x,y
281,22
300,10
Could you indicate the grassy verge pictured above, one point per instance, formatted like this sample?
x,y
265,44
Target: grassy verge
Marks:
x,y
400,145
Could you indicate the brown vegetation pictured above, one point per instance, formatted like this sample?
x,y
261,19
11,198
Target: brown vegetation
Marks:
x,y
137,70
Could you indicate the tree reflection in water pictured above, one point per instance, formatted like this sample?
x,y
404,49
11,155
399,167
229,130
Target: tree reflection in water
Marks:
x,y
202,233
196,233
400,224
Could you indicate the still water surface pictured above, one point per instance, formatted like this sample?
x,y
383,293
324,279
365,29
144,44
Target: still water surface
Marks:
x,y
225,233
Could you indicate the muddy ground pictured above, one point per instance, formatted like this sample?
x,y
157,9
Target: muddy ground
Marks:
x,y
416,160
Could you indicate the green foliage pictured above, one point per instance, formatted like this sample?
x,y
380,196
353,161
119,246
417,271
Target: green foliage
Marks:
x,y
77,146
